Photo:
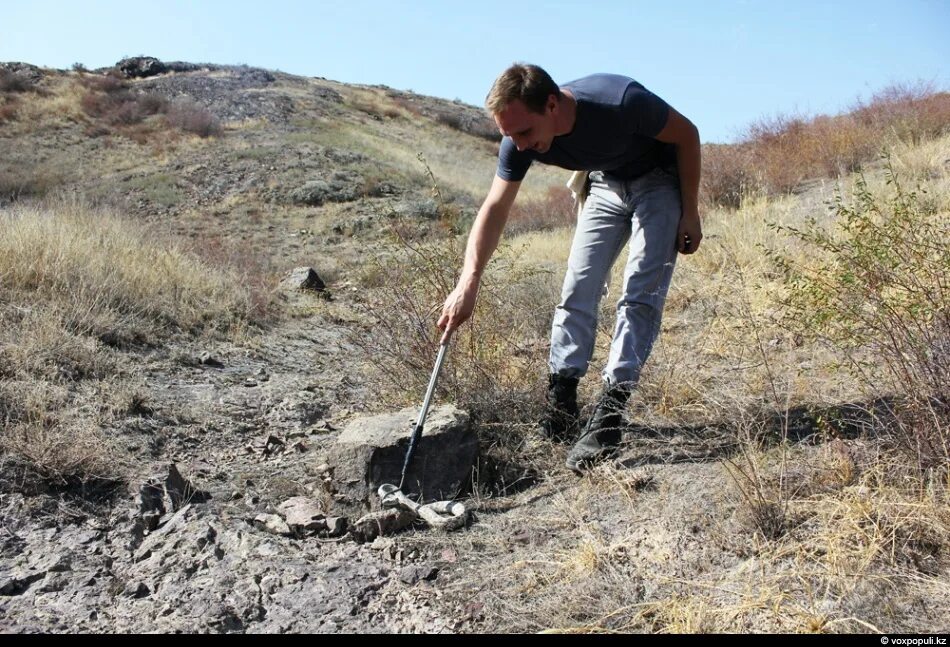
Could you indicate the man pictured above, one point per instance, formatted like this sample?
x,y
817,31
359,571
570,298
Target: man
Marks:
x,y
644,164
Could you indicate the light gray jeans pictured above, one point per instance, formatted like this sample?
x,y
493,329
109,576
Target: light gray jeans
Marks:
x,y
646,211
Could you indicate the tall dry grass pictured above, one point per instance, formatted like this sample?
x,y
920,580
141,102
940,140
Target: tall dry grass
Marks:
x,y
76,285
776,155
795,514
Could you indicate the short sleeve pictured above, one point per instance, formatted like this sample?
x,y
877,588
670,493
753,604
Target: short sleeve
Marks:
x,y
512,163
643,111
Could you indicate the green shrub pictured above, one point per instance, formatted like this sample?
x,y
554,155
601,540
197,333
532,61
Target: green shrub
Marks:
x,y
876,288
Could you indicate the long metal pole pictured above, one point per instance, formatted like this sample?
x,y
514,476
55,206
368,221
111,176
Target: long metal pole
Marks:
x,y
417,431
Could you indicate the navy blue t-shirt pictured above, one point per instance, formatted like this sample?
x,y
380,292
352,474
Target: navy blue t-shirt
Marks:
x,y
617,119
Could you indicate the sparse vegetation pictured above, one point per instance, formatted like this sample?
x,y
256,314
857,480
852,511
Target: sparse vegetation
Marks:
x,y
776,155
875,289
193,118
12,82
762,487
75,283
555,211
111,100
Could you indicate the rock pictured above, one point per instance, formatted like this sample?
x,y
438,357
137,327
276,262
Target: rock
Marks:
x,y
20,77
371,451
336,526
339,186
18,584
140,67
53,583
7,585
151,504
383,522
57,564
417,573
137,590
382,543
180,491
313,193
205,359
271,445
155,540
273,524
303,515
304,278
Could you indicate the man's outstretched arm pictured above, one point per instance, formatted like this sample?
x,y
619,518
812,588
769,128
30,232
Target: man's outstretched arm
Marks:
x,y
482,242
681,132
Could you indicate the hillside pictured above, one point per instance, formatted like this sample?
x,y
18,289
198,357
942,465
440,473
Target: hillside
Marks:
x,y
779,473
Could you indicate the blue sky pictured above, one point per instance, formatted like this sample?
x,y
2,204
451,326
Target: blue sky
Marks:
x,y
722,64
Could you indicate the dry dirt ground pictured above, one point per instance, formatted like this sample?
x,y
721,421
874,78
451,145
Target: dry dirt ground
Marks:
x,y
251,432
659,540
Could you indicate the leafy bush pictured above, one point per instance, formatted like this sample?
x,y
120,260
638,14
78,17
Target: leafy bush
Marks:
x,y
876,288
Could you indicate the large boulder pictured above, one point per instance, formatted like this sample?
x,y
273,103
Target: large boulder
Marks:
x,y
371,451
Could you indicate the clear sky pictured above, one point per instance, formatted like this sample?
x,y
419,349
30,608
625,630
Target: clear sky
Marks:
x,y
722,64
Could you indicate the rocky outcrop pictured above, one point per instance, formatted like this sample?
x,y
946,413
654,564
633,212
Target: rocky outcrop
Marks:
x,y
140,67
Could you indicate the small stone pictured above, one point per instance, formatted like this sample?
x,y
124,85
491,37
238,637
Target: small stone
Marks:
x,y
53,583
273,524
305,278
58,564
450,555
520,537
272,444
336,526
205,359
303,515
382,543
417,573
137,590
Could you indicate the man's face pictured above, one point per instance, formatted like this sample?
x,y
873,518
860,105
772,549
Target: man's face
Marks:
x,y
527,129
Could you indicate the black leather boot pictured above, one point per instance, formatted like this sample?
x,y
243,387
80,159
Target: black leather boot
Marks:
x,y
560,416
601,436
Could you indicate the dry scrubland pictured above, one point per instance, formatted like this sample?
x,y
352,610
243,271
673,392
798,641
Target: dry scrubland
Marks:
x,y
787,467
787,463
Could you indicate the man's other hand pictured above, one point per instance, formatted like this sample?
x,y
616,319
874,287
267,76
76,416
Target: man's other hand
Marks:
x,y
690,234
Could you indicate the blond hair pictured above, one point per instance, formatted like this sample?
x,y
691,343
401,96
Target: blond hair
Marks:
x,y
529,83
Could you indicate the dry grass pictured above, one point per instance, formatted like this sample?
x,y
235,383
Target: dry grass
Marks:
x,y
811,522
460,164
76,283
555,211
776,155
57,106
